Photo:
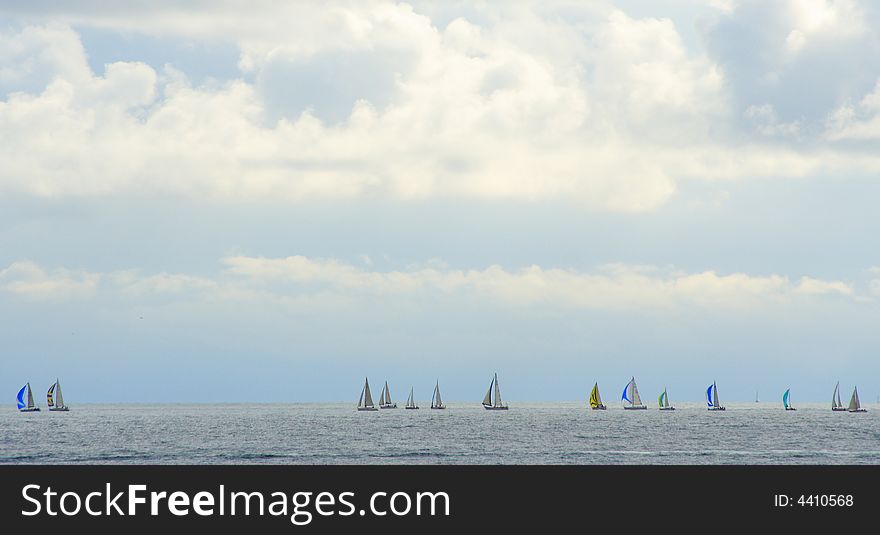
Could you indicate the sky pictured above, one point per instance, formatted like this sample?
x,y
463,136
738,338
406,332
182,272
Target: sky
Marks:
x,y
219,201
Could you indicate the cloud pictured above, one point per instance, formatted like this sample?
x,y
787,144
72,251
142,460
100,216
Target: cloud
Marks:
x,y
856,122
348,101
29,280
299,279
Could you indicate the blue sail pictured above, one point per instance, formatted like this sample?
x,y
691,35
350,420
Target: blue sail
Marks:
x,y
21,403
623,397
709,395
785,398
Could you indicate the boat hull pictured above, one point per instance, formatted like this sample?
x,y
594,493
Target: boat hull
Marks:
x,y
392,406
717,409
857,410
411,408
441,408
839,409
32,409
790,409
493,408
368,409
635,407
667,408
599,408
59,409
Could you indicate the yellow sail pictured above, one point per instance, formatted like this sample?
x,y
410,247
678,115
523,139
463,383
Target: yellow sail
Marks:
x,y
594,396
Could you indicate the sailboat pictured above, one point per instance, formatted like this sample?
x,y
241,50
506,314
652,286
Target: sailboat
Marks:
x,y
495,404
410,403
664,401
29,405
436,402
385,398
366,401
836,405
631,396
786,400
712,398
57,404
854,405
596,400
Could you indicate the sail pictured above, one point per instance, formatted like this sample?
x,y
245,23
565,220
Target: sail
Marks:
x,y
835,398
488,399
58,393
636,399
785,398
709,395
594,396
30,402
409,400
437,402
715,395
626,391
20,397
663,400
49,400
854,400
497,392
387,395
368,398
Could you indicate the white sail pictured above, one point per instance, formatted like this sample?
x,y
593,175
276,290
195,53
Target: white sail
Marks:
x,y
835,398
488,399
436,401
715,395
409,401
59,399
497,392
30,403
854,400
636,399
665,398
366,396
387,395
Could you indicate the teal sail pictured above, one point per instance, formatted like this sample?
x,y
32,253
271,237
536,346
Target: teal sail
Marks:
x,y
660,399
785,398
21,403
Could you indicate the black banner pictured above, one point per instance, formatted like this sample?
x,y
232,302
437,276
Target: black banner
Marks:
x,y
435,499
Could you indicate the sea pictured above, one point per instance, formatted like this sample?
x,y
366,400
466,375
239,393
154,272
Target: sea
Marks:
x,y
528,433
